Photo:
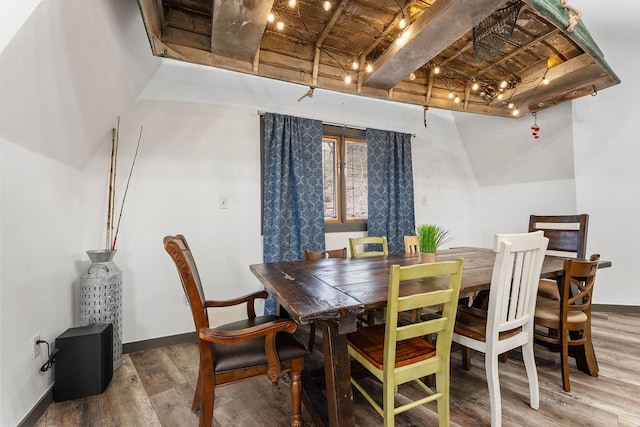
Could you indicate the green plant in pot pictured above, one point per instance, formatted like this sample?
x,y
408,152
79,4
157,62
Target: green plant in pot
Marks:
x,y
430,237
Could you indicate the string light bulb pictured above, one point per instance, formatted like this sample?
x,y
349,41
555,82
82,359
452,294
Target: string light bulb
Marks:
x,y
436,70
280,25
326,6
412,76
503,84
292,3
475,86
347,79
402,24
270,18
451,95
515,112
355,65
368,68
456,99
545,80
402,38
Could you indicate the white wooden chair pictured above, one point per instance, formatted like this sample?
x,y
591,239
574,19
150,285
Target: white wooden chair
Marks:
x,y
509,321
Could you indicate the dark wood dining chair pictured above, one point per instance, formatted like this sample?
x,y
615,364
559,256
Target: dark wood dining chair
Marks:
x,y
256,346
330,253
314,256
565,325
567,236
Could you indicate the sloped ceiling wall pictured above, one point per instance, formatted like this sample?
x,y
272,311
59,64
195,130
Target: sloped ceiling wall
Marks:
x,y
67,74
504,151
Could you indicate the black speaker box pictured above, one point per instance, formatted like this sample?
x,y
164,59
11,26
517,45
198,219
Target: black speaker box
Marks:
x,y
84,363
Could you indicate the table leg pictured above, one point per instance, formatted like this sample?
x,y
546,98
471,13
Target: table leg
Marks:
x,y
337,373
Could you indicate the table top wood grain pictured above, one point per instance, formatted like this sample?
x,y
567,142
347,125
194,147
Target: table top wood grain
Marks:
x,y
332,288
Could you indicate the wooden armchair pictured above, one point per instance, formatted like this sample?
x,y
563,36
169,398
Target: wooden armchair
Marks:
x,y
236,351
565,325
567,236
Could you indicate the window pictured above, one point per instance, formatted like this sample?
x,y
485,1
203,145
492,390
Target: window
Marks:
x,y
344,165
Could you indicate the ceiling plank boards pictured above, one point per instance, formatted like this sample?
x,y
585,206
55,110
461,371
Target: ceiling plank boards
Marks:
x,y
436,29
316,47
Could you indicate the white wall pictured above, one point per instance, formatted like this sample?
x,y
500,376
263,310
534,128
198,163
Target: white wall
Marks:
x,y
607,153
517,174
40,210
67,72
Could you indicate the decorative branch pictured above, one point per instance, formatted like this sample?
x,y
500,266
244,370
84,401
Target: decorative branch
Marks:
x,y
126,189
112,182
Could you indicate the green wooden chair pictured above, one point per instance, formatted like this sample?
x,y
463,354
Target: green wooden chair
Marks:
x,y
362,242
396,354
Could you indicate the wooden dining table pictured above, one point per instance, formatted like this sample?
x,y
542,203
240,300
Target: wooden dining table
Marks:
x,y
332,293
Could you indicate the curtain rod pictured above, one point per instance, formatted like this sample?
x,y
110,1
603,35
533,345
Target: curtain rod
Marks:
x,y
413,135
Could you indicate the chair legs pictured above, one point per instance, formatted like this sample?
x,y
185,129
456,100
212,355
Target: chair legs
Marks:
x,y
532,375
207,395
442,386
493,382
564,360
466,358
196,396
585,355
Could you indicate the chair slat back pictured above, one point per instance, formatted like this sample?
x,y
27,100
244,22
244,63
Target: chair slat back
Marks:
x,y
579,280
411,245
448,298
364,242
331,253
179,250
566,233
514,283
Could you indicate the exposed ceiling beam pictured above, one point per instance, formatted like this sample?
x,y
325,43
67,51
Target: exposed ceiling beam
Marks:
x,y
237,27
436,29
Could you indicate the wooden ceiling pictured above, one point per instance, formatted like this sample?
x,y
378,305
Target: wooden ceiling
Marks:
x,y
435,64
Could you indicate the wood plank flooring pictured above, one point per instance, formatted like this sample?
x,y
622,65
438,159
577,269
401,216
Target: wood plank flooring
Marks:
x,y
155,388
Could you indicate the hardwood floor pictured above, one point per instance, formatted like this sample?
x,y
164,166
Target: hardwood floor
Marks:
x,y
155,388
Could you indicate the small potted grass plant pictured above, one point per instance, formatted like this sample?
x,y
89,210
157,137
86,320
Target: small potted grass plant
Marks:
x,y
430,237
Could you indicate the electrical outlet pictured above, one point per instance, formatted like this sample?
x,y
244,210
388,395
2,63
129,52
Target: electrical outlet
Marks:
x,y
223,202
36,346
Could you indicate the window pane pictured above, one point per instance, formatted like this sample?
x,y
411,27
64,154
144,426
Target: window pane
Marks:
x,y
356,180
330,178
